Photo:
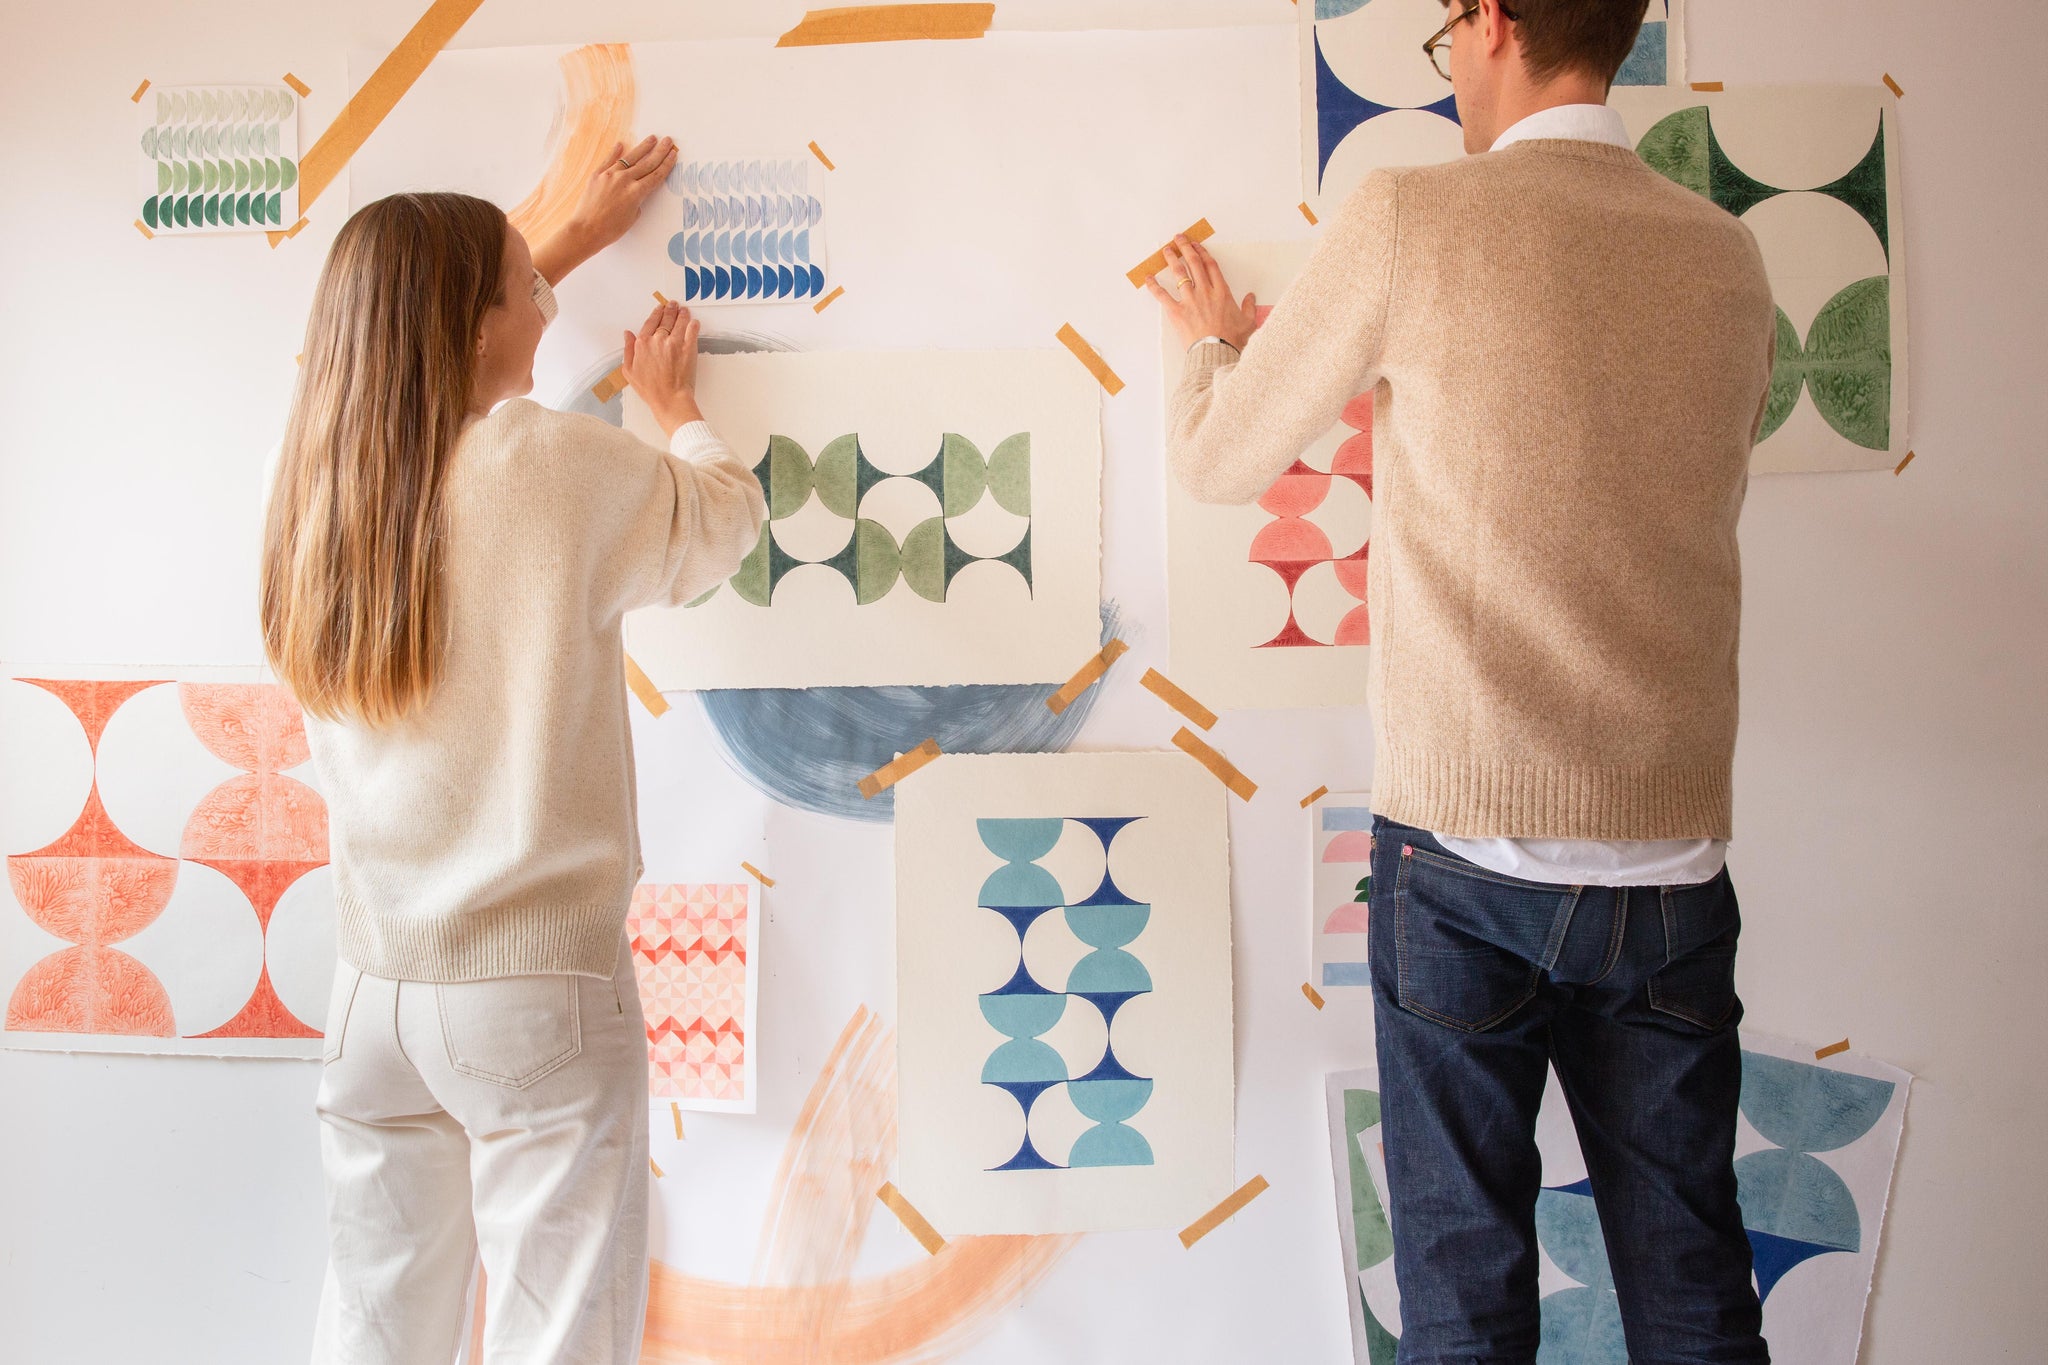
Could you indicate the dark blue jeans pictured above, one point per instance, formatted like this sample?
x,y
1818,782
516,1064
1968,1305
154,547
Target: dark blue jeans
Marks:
x,y
1480,984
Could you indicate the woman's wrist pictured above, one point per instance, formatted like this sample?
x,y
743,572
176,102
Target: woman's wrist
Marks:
x,y
678,411
575,243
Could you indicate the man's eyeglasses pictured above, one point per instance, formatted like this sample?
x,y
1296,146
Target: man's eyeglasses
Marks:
x,y
1438,48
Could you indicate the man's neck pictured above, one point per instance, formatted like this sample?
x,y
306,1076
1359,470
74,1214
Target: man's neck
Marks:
x,y
1520,100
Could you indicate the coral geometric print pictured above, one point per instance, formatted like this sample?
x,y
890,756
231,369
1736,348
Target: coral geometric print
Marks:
x,y
1292,544
92,887
162,892
691,949
262,830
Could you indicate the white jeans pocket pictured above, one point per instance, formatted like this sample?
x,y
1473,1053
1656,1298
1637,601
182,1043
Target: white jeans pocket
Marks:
x,y
510,1031
340,1000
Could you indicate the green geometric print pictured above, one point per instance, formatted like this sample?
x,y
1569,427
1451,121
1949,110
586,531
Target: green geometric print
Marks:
x,y
223,158
1846,359
872,562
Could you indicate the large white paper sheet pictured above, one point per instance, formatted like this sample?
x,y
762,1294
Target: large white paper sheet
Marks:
x,y
1267,601
934,518
1063,992
1814,1154
1813,171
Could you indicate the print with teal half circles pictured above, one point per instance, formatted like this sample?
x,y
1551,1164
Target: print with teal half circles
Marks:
x,y
842,477
1794,1206
1845,359
1105,979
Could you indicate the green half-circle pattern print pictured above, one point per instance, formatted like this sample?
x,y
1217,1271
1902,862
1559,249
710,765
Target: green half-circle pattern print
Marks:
x,y
219,158
872,562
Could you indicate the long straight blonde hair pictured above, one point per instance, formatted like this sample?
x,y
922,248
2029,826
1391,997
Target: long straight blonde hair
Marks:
x,y
352,601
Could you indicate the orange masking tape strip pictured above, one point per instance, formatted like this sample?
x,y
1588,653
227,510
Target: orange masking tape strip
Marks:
x,y
379,95
1086,676
612,383
1225,772
1091,358
644,688
1901,468
822,304
136,98
1199,231
1308,213
143,228
1896,89
1318,794
1160,686
894,771
1314,996
661,298
652,1167
1830,1050
295,83
758,875
888,24
926,1235
819,152
1210,1221
677,1110
1708,87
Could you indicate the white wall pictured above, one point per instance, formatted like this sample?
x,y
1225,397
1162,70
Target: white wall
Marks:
x,y
1892,772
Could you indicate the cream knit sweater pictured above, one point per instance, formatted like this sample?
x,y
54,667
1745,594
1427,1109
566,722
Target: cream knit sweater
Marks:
x,y
1569,356
494,834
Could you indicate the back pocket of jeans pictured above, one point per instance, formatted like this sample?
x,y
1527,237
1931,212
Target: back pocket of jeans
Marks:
x,y
511,1031
1696,984
341,999
1447,970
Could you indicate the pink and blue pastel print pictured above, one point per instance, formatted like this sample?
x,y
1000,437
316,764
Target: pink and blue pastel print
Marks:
x,y
1105,979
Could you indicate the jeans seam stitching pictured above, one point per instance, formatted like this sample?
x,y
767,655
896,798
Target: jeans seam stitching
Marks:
x,y
1467,868
1402,997
574,1047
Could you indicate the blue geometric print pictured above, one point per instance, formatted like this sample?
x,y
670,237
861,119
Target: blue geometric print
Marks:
x,y
1340,110
1105,980
747,231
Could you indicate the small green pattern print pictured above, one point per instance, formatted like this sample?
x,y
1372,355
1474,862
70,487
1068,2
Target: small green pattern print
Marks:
x,y
219,158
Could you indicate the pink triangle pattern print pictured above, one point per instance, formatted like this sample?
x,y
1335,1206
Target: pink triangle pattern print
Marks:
x,y
691,943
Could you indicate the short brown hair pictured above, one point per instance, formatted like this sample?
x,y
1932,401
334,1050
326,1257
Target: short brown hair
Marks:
x,y
1594,36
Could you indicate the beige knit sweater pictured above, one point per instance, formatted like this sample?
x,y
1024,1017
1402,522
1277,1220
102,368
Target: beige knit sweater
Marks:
x,y
494,834
1568,355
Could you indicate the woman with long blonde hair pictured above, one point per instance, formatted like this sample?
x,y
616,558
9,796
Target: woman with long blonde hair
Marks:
x,y
445,566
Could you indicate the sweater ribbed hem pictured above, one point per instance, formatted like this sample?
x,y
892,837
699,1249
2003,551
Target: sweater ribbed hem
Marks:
x,y
483,945
1470,798
1209,356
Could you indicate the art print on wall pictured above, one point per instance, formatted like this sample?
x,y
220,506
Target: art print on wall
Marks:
x,y
1371,99
1063,983
167,886
1813,172
1814,1154
1267,601
219,158
1340,880
932,518
749,230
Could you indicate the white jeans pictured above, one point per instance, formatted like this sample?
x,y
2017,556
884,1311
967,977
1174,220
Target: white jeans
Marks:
x,y
507,1118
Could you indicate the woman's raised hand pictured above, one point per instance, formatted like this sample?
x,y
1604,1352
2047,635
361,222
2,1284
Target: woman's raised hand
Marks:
x,y
609,207
661,365
611,201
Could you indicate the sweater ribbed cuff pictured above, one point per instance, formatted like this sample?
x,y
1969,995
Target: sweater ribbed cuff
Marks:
x,y
579,940
696,441
1210,356
1472,798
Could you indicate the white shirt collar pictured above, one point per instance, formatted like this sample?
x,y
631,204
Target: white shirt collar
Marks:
x,y
1574,122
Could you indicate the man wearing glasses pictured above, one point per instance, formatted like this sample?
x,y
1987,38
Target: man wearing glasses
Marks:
x,y
1569,357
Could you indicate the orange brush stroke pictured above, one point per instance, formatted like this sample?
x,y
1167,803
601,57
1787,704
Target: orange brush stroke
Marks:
x,y
804,1308
596,115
